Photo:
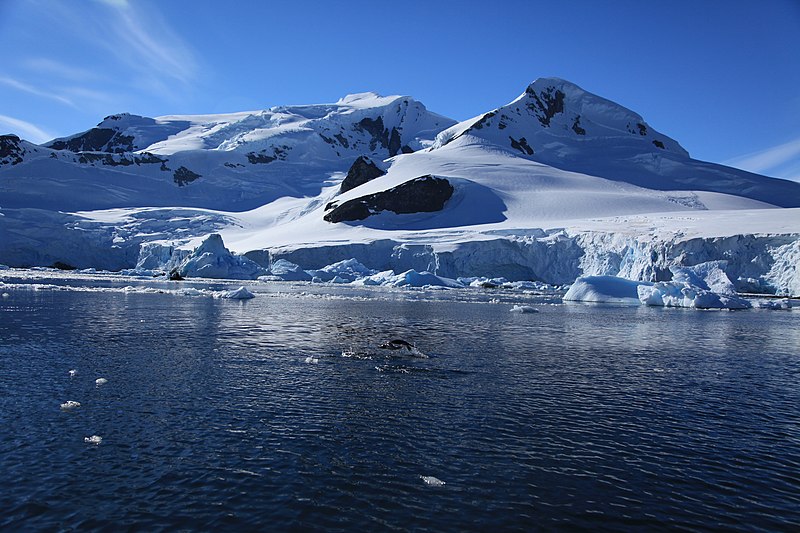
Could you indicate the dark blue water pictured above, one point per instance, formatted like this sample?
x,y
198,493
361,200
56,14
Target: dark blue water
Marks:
x,y
579,417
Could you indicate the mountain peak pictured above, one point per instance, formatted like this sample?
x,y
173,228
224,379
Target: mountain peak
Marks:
x,y
555,119
368,99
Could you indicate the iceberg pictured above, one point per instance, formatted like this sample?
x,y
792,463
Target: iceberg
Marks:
x,y
212,260
604,289
287,271
703,286
239,294
412,278
345,271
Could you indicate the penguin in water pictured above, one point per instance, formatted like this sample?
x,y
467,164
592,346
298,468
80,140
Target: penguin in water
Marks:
x,y
402,347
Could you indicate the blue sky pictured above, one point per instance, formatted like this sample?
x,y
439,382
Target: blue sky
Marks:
x,y
720,76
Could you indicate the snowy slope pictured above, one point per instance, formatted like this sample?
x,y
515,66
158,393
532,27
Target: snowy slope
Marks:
x,y
557,184
557,123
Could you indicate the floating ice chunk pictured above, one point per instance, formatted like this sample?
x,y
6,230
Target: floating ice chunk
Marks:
x,y
288,271
6,295
212,260
412,278
348,270
100,381
94,439
703,286
73,373
239,294
381,278
432,481
605,289
70,405
312,360
783,304
523,309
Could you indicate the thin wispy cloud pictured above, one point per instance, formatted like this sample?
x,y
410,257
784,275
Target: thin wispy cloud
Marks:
x,y
58,69
30,89
146,54
24,129
782,160
143,41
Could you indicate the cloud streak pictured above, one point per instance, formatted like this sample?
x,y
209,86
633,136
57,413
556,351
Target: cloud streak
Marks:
x,y
144,42
30,89
782,160
24,129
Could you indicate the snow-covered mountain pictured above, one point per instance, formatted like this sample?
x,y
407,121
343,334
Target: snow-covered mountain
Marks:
x,y
556,184
231,162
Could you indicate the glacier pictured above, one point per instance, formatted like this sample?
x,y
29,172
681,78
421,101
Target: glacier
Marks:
x,y
557,185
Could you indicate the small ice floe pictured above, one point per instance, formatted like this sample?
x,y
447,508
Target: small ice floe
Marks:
x,y
239,294
782,304
94,439
523,309
73,373
100,381
432,481
6,295
312,360
70,405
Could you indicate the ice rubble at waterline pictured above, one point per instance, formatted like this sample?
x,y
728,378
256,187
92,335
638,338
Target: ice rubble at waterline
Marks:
x,y
703,286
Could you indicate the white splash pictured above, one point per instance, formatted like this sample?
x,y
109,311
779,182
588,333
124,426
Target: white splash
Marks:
x,y
70,405
432,481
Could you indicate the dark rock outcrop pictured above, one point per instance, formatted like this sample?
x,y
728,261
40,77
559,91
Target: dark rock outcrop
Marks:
x,y
576,126
546,104
390,140
10,150
96,140
361,171
184,176
521,145
420,195
278,152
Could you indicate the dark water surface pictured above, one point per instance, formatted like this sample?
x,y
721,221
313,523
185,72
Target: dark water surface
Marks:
x,y
216,415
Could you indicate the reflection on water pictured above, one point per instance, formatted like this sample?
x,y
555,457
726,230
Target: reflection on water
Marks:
x,y
576,416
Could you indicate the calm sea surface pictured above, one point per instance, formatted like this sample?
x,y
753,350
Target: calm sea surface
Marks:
x,y
245,414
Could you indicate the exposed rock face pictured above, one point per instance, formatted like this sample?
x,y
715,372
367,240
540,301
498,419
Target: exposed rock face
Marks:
x,y
184,176
96,140
361,171
521,145
420,195
389,140
546,104
10,150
